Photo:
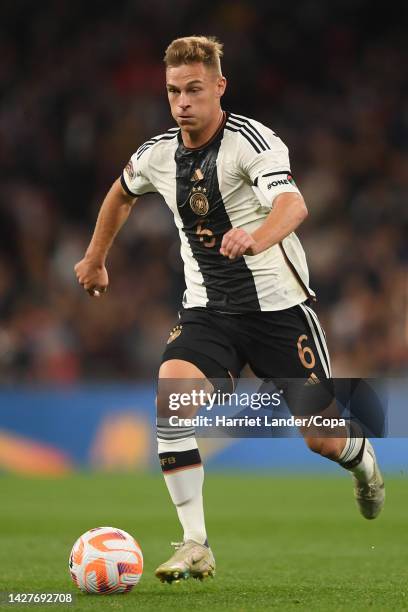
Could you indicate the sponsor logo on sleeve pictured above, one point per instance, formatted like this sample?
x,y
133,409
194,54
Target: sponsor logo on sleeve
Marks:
x,y
277,183
289,180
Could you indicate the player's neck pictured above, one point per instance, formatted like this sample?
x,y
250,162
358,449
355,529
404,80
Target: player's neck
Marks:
x,y
196,140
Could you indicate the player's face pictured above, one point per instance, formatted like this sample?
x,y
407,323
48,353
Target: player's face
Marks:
x,y
194,93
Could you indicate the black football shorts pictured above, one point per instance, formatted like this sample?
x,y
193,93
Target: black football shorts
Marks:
x,y
285,348
275,344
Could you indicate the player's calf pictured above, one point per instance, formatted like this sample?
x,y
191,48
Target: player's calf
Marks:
x,y
356,454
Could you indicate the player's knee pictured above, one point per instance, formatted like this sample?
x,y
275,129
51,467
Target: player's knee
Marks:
x,y
179,381
326,447
179,369
315,445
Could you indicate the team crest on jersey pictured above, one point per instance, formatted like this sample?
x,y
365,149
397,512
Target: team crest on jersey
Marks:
x,y
199,202
130,169
175,332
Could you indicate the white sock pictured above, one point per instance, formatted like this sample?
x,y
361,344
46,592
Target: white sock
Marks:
x,y
356,459
185,488
184,477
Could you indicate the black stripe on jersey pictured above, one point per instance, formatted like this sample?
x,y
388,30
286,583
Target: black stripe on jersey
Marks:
x,y
250,127
252,130
229,284
252,134
149,143
271,174
280,172
251,142
296,274
245,119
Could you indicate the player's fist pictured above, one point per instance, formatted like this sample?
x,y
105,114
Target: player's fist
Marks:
x,y
237,242
92,276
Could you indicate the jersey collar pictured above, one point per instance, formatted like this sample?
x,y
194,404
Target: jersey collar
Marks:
x,y
218,131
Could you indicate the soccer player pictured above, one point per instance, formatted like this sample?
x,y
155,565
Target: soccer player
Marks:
x,y
227,180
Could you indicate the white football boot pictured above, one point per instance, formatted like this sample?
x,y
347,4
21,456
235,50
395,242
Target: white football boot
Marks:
x,y
370,496
190,560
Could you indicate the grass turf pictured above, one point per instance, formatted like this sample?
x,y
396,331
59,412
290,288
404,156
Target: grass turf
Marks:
x,y
281,542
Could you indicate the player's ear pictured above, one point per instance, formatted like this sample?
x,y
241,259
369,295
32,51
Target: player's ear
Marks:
x,y
221,86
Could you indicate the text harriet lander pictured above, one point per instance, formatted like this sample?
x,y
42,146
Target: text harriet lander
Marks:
x,y
256,421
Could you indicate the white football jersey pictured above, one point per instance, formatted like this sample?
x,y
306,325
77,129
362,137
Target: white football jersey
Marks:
x,y
230,181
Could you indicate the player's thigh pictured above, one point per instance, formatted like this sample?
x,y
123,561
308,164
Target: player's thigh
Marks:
x,y
288,343
182,387
199,357
291,351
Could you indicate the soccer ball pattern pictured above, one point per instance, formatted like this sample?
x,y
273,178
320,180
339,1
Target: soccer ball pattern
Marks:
x,y
106,560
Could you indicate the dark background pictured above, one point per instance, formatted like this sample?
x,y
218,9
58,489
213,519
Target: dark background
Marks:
x,y
82,86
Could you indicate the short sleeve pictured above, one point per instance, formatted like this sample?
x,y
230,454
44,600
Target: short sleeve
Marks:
x,y
135,176
263,159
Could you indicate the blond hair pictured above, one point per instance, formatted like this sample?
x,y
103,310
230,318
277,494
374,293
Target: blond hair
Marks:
x,y
191,49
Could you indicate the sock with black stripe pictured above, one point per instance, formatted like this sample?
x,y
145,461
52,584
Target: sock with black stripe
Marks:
x,y
356,458
184,476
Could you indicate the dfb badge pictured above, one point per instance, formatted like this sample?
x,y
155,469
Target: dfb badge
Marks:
x,y
199,202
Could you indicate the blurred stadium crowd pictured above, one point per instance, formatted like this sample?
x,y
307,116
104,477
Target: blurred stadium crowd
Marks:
x,y
82,86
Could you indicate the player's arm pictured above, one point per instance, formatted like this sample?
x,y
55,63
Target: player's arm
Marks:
x,y
91,271
288,212
262,159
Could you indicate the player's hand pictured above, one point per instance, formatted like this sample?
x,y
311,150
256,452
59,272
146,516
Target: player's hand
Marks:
x,y
92,276
237,242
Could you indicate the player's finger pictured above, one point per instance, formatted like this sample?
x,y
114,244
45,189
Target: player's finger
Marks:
x,y
236,236
94,292
235,250
234,243
227,246
223,247
228,236
224,242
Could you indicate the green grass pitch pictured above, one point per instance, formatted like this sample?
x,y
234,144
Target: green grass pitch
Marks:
x,y
281,542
